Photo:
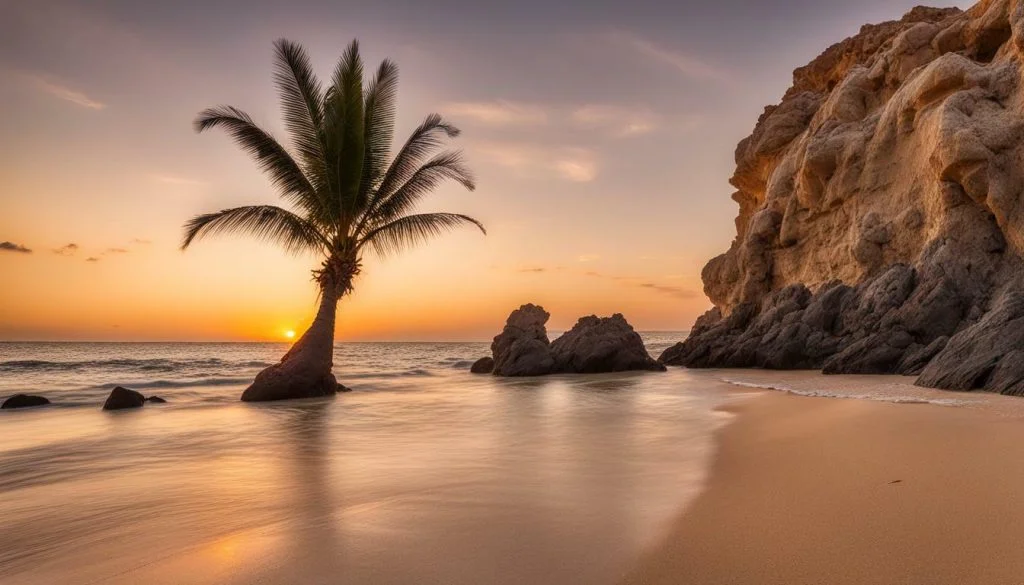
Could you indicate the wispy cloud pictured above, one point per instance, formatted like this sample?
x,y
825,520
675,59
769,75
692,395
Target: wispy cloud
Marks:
x,y
678,292
674,291
59,90
686,64
498,113
176,180
66,250
533,270
578,166
569,163
12,247
140,242
619,120
92,259
115,251
588,258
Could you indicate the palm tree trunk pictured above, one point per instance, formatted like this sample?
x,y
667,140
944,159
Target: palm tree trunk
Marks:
x,y
305,371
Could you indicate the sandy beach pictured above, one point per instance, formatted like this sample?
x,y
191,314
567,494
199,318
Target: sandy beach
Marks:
x,y
821,490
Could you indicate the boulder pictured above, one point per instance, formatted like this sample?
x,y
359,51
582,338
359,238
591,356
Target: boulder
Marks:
x,y
597,345
24,401
156,400
122,398
483,365
522,348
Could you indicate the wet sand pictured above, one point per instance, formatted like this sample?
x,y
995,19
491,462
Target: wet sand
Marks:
x,y
824,490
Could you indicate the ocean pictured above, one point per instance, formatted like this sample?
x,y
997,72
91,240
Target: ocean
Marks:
x,y
424,473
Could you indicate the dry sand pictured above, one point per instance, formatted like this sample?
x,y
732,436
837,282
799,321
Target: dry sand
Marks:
x,y
823,491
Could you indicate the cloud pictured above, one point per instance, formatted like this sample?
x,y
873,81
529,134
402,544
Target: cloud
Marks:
x,y
579,168
578,165
92,259
588,258
68,250
12,247
674,291
498,113
618,120
177,180
688,65
140,242
115,251
535,270
61,91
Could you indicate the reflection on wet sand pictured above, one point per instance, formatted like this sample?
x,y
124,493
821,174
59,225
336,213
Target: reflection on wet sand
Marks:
x,y
445,480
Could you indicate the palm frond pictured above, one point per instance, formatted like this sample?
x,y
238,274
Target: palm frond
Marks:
x,y
264,222
271,157
410,230
379,125
422,143
443,167
345,123
302,104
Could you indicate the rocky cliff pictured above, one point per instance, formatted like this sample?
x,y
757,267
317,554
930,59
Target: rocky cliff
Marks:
x,y
880,225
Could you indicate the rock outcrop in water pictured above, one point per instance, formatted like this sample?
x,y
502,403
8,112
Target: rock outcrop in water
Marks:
x,y
23,401
121,398
598,344
594,345
484,365
522,348
881,224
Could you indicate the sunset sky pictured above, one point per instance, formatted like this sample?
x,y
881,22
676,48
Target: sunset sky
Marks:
x,y
601,132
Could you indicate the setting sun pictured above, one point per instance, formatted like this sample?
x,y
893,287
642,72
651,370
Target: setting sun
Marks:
x,y
289,334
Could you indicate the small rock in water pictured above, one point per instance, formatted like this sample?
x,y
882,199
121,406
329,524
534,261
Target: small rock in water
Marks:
x,y
156,400
121,398
343,388
483,366
24,401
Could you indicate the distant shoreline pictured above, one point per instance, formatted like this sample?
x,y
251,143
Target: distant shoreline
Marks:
x,y
682,335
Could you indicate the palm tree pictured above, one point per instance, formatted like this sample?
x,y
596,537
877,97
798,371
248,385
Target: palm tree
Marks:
x,y
347,195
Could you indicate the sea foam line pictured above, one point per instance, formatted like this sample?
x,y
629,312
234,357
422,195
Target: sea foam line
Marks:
x,y
817,393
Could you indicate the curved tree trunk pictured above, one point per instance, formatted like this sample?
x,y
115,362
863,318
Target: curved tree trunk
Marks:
x,y
305,371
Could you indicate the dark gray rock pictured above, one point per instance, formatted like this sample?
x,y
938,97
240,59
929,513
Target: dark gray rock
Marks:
x,y
121,398
522,348
24,401
483,366
597,345
917,357
880,353
891,323
156,400
986,355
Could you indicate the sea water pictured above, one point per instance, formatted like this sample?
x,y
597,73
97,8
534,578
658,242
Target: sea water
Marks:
x,y
424,473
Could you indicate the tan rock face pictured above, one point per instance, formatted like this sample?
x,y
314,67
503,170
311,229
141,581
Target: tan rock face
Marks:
x,y
881,225
902,144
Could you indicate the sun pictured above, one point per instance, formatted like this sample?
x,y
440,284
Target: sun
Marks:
x,y
289,334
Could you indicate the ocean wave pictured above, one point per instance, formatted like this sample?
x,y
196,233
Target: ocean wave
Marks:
x,y
196,382
880,397
412,372
151,365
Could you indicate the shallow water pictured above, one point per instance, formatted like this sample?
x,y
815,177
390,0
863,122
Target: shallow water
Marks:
x,y
423,474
